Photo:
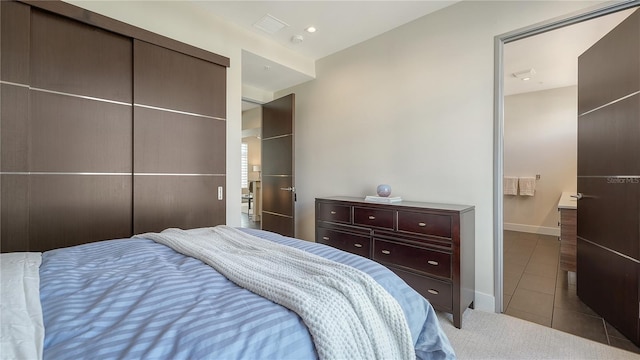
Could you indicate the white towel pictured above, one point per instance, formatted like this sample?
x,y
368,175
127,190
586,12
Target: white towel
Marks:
x,y
527,186
510,185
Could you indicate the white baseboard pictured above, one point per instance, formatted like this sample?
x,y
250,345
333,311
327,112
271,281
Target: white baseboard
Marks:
x,y
484,302
542,230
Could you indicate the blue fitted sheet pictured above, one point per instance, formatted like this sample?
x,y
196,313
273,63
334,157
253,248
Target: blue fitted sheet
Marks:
x,y
136,299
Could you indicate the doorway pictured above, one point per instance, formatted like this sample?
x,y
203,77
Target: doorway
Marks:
x,y
536,238
268,171
251,165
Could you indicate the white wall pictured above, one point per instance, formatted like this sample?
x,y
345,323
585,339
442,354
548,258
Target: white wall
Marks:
x,y
412,108
540,137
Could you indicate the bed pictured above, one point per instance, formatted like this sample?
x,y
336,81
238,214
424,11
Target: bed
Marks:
x,y
139,299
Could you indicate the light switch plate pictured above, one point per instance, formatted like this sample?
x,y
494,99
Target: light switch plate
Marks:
x,y
219,192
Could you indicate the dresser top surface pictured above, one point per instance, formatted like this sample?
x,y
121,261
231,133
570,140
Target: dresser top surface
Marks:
x,y
403,203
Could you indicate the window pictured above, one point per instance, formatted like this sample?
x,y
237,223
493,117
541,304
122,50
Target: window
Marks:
x,y
244,165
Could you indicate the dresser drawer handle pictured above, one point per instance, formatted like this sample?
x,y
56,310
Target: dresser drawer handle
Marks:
x,y
333,212
386,252
371,217
325,238
434,292
421,224
431,262
357,245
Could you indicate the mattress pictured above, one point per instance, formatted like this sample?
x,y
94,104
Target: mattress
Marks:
x,y
137,299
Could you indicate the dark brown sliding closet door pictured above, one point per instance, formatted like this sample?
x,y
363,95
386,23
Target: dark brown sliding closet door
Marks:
x,y
66,131
14,70
179,140
103,136
80,139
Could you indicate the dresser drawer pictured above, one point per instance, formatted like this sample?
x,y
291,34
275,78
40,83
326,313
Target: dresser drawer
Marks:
x,y
356,244
439,293
334,212
428,261
373,217
425,224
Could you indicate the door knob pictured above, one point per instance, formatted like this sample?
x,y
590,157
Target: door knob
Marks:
x,y
288,189
578,196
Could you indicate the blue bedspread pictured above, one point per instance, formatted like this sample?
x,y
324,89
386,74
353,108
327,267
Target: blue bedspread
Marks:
x,y
136,299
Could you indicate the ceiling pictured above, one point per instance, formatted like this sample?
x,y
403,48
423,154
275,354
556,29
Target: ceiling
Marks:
x,y
341,24
554,55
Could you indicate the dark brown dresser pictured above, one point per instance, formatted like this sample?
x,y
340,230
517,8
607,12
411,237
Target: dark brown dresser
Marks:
x,y
430,246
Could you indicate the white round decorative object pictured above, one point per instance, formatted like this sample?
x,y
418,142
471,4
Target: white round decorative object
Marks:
x,y
383,190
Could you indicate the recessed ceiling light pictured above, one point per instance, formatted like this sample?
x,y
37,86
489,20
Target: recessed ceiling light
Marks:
x,y
524,75
310,29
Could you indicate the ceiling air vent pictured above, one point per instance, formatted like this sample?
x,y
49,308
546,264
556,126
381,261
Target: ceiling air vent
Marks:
x,y
270,24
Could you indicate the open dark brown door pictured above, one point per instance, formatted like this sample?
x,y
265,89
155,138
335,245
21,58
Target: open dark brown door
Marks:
x,y
608,261
278,180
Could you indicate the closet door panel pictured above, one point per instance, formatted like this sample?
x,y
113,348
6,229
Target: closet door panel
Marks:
x,y
175,81
70,134
179,140
167,142
14,226
72,57
15,33
14,134
184,202
67,210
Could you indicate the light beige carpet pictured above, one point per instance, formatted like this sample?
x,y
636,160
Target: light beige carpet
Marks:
x,y
487,335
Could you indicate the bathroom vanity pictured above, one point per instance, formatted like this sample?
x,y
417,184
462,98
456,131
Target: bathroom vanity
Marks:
x,y
568,208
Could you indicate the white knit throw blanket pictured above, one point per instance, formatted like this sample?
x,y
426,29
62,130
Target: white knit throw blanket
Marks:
x,y
349,315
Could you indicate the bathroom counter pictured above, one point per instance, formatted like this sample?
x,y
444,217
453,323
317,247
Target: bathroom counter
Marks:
x,y
567,202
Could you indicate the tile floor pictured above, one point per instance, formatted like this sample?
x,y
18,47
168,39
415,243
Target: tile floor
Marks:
x,y
535,289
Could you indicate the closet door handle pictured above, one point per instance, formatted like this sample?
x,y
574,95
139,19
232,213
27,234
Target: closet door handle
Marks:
x,y
371,217
357,245
386,252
